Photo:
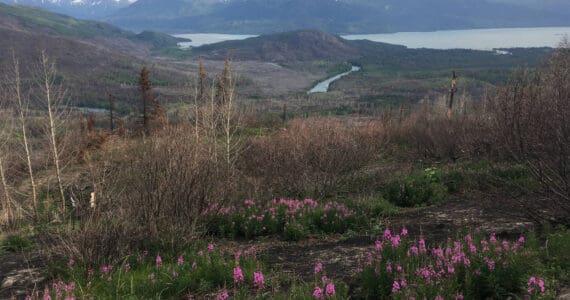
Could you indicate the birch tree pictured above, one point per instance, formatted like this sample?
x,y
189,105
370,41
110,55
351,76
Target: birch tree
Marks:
x,y
53,98
22,108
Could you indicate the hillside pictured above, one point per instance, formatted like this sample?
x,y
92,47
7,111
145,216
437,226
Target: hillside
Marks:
x,y
93,58
38,20
341,16
302,45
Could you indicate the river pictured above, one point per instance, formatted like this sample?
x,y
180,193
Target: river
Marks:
x,y
323,86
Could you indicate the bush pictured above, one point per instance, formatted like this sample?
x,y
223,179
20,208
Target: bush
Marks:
x,y
421,189
311,157
151,189
15,243
529,117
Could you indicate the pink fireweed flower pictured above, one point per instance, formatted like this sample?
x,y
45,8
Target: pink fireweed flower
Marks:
x,y
238,275
324,280
493,238
422,244
389,267
531,284
194,265
318,293
180,260
459,297
71,262
158,261
485,245
413,251
379,246
468,239
506,245
490,263
395,287
329,290
521,241
318,268
403,283
404,231
541,285
210,247
223,295
258,280
399,268
200,253
106,269
369,259
396,241
450,269
438,297
387,234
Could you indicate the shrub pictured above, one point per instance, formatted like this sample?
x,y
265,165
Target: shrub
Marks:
x,y
310,157
152,189
417,190
529,117
15,243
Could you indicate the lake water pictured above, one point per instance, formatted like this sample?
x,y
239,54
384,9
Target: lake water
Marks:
x,y
479,39
199,39
323,86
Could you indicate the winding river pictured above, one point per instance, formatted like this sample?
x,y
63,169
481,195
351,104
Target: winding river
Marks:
x,y
323,86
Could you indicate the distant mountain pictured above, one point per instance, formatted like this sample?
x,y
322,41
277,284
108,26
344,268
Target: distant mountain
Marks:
x,y
338,16
85,9
41,21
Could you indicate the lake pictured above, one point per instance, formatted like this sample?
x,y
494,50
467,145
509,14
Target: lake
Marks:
x,y
199,39
478,39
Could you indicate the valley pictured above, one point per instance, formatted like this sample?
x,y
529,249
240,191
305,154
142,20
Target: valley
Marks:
x,y
321,149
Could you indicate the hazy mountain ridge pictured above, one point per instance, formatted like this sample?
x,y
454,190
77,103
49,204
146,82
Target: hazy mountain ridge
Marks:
x,y
337,16
91,9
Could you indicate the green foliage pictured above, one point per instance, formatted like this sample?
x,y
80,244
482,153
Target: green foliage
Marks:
x,y
474,267
198,270
421,189
291,219
557,253
15,243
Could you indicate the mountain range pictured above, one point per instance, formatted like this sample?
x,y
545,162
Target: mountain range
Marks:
x,y
334,16
337,16
85,9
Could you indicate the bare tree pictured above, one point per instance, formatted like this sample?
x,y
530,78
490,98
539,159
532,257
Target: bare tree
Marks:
x,y
53,98
22,111
6,212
